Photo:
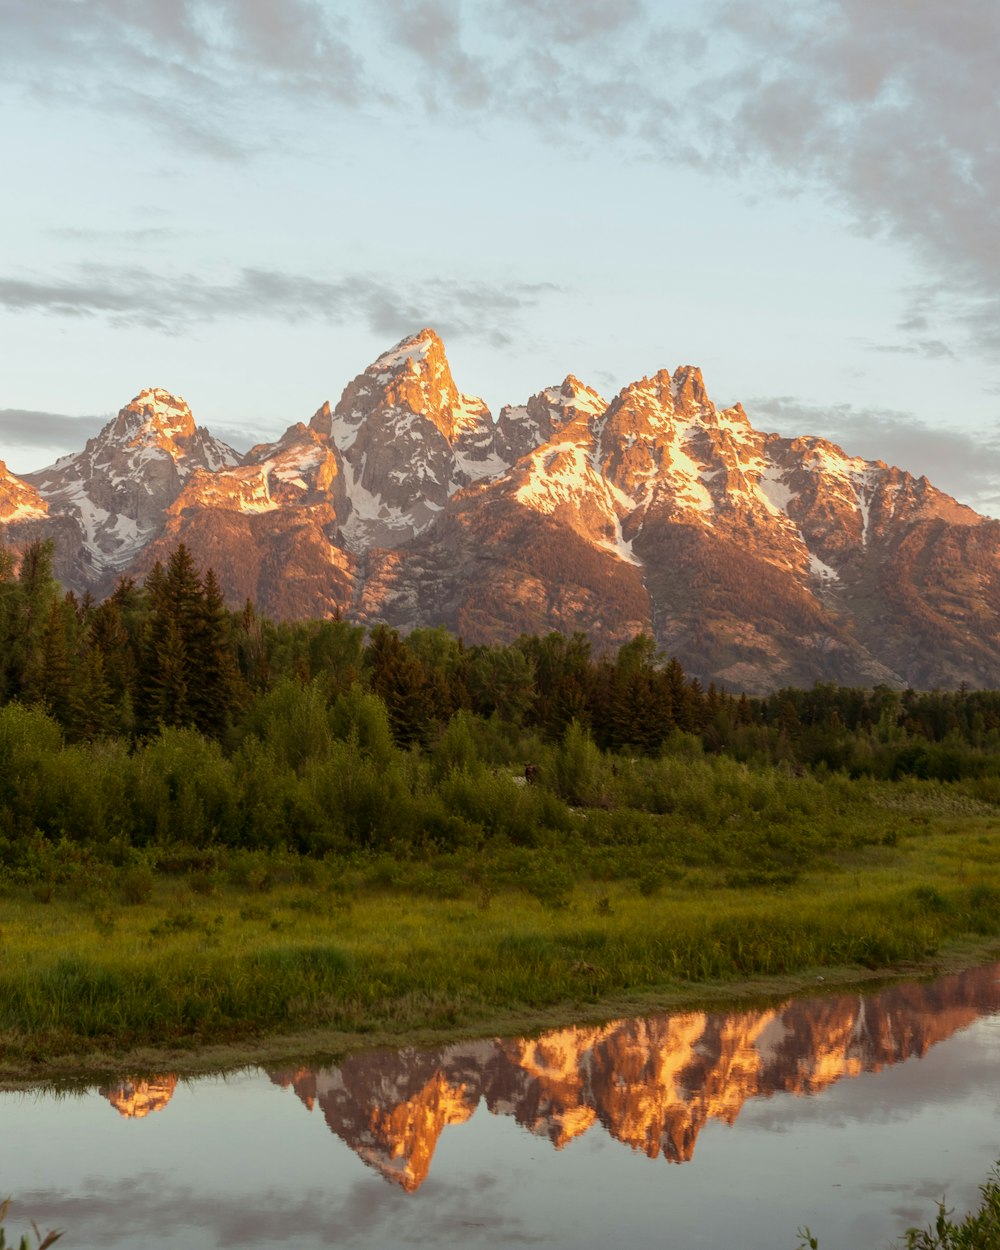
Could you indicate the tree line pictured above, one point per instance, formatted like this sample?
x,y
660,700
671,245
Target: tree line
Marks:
x,y
168,653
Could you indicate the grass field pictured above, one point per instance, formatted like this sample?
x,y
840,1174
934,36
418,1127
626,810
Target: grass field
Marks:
x,y
237,952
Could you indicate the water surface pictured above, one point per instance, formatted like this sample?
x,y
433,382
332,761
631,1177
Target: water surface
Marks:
x,y
852,1113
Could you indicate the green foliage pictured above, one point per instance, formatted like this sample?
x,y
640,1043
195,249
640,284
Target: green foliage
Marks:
x,y
719,838
578,770
456,748
362,717
49,1239
291,722
979,1230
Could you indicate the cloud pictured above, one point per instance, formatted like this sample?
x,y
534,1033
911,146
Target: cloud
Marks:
x,y
20,427
579,72
299,43
963,464
889,109
363,1212
184,68
198,71
932,349
135,296
576,23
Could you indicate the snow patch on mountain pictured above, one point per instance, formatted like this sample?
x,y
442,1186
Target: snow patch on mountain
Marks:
x,y
404,354
821,570
774,491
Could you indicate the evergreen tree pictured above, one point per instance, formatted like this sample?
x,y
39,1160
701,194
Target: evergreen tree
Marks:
x,y
188,673
215,687
398,678
251,649
95,712
49,678
37,591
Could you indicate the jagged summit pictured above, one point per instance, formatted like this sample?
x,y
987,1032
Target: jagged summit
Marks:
x,y
157,414
409,351
757,560
413,376
322,419
18,500
119,486
157,420
522,428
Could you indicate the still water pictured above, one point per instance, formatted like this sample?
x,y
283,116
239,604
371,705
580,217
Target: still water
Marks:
x,y
852,1113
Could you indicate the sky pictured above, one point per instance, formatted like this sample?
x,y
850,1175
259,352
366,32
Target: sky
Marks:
x,y
246,201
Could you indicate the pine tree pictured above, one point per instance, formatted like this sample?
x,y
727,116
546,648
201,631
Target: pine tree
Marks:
x,y
48,679
37,591
213,670
188,673
397,677
95,711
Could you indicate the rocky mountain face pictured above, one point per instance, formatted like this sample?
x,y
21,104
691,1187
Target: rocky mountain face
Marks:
x,y
116,491
757,560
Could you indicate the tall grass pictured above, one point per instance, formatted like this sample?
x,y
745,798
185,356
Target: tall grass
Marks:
x,y
397,946
49,1239
177,892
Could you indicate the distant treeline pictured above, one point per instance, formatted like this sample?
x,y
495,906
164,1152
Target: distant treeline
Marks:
x,y
169,654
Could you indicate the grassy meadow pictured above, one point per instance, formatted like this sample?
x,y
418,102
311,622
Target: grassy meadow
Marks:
x,y
219,834
689,878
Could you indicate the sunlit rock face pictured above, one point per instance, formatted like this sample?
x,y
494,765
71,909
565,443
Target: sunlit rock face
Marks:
x,y
18,500
521,429
269,526
652,1084
117,490
410,439
134,1100
758,561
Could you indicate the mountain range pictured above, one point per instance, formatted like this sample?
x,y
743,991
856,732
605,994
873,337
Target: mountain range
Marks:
x,y
757,560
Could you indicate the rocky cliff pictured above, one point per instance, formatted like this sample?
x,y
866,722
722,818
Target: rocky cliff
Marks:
x,y
757,560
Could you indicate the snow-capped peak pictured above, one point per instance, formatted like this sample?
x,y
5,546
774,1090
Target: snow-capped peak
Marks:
x,y
408,352
156,413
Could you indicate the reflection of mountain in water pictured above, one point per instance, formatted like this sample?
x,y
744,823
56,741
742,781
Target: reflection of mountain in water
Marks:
x,y
651,1083
134,1100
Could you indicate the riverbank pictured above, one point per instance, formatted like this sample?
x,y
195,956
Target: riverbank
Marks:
x,y
197,975
25,1068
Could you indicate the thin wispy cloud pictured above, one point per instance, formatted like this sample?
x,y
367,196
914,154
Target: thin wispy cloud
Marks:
x,y
890,110
20,427
135,296
186,69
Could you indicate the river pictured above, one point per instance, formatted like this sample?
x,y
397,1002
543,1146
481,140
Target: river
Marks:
x,y
852,1113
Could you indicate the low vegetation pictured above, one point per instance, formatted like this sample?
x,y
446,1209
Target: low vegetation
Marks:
x,y
174,894
978,1230
214,828
42,1242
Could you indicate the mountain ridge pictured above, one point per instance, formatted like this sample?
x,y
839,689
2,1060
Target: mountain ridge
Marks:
x,y
759,560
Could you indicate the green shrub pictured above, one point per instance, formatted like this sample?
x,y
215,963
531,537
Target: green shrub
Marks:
x,y
291,720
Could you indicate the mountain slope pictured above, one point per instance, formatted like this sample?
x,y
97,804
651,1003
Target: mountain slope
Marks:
x,y
757,560
117,489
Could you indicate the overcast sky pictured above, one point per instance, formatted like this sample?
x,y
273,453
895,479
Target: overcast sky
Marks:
x,y
245,201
